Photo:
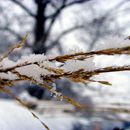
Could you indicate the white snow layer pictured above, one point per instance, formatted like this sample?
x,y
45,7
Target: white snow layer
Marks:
x,y
33,71
39,67
8,76
74,65
32,58
6,63
39,64
15,117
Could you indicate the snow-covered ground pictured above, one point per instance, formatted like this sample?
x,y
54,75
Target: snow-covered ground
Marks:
x,y
15,117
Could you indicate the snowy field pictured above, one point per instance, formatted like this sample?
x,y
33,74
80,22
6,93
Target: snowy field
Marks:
x,y
15,117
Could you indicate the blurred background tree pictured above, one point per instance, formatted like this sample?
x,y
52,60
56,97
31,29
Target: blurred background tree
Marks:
x,y
51,21
46,14
57,25
38,18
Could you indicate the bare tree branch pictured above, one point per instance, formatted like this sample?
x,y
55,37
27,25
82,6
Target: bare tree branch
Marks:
x,y
18,36
66,6
54,16
65,32
53,4
77,2
23,7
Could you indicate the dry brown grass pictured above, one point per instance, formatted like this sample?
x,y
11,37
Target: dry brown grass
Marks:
x,y
80,75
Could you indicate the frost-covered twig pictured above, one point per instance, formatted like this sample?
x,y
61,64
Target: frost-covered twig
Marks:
x,y
77,67
44,70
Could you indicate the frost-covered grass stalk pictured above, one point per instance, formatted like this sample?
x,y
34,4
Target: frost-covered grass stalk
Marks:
x,y
77,67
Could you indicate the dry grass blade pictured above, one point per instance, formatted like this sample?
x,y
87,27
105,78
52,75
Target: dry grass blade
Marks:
x,y
49,88
101,82
20,44
25,105
34,115
48,71
84,55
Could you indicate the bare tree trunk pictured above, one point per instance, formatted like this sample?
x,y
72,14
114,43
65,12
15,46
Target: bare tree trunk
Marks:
x,y
40,37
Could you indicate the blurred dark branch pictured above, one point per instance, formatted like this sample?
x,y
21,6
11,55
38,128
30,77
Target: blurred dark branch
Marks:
x,y
53,4
54,17
64,6
100,22
77,2
65,32
18,36
42,32
23,7
69,31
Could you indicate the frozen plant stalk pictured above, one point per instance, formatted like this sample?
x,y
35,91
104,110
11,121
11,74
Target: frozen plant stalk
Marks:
x,y
77,67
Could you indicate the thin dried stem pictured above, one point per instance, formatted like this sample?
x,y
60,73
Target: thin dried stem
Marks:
x,y
25,105
55,72
20,44
84,55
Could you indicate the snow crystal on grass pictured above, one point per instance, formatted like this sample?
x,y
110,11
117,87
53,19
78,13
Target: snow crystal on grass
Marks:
x,y
33,71
74,65
32,58
8,75
46,64
6,63
40,59
112,42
